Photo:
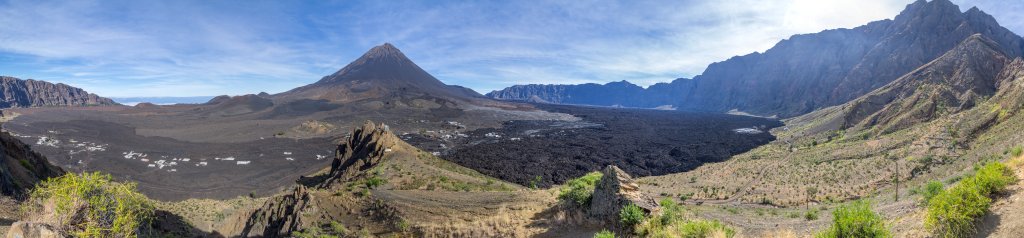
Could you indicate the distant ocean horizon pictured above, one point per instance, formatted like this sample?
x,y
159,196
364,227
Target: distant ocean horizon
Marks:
x,y
132,101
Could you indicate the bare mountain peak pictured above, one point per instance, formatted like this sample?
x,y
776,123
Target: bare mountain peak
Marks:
x,y
382,71
385,51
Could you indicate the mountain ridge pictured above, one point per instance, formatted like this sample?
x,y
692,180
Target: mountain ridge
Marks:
x,y
15,92
807,72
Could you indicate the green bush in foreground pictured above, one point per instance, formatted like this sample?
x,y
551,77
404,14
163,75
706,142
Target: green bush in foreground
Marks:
x,y
580,190
704,228
672,223
855,220
631,215
92,205
952,212
811,215
604,234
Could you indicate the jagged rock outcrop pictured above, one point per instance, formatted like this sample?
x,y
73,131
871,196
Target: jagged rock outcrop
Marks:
x,y
364,149
279,216
812,71
16,92
616,190
21,168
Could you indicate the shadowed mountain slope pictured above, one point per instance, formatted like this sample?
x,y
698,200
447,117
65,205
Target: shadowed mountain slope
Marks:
x,y
952,83
21,168
811,71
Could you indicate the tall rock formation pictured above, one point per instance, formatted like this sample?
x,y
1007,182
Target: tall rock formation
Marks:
x,y
15,92
363,150
616,190
813,71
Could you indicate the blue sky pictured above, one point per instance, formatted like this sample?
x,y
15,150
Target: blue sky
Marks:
x,y
201,48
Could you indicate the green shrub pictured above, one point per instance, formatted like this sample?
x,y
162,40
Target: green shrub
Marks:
x,y
604,234
26,164
993,177
580,190
811,215
929,191
535,182
374,182
402,225
671,212
671,223
1016,151
704,228
631,215
855,220
951,213
338,228
92,205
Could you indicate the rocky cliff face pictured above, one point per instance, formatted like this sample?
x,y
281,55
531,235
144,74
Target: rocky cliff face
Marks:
x,y
615,93
814,71
15,92
21,168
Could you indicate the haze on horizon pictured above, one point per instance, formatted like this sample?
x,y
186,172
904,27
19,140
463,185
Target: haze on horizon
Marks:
x,y
203,48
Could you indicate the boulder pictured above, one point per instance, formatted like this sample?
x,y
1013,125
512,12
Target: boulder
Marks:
x,y
32,230
616,190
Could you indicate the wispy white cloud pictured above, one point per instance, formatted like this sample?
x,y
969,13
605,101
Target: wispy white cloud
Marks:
x,y
189,48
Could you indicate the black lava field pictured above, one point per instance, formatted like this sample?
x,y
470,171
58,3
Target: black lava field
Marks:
x,y
642,142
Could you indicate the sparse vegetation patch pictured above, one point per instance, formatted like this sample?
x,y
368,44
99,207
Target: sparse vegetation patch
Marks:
x,y
580,190
855,220
92,205
951,213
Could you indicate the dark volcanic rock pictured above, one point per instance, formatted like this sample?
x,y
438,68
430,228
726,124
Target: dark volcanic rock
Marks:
x,y
806,72
641,142
21,168
279,216
363,150
33,93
